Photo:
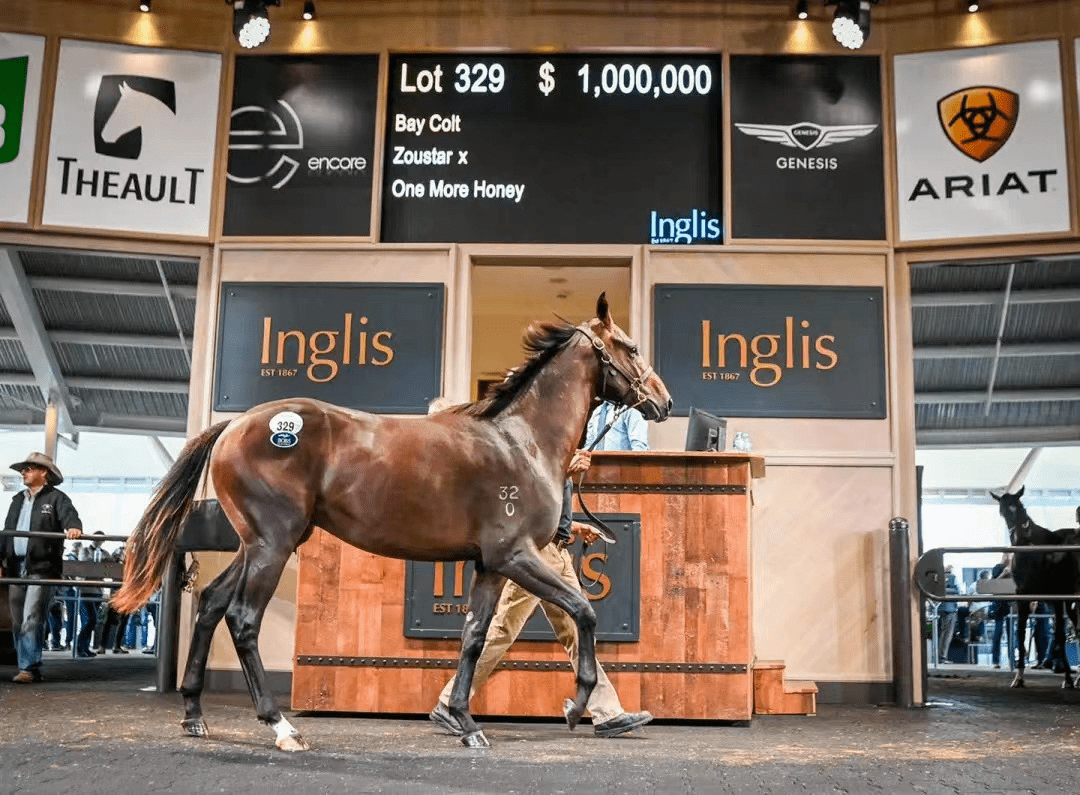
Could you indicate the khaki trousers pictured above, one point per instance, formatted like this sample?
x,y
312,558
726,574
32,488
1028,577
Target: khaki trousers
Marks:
x,y
513,610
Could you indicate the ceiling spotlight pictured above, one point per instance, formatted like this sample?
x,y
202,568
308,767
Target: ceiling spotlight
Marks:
x,y
251,21
801,9
309,9
973,6
851,23
144,6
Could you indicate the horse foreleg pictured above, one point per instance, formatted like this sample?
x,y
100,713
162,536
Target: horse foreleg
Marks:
x,y
1023,609
244,619
484,594
1059,643
532,574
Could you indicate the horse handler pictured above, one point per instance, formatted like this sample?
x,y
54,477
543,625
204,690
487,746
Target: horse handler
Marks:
x,y
514,608
39,508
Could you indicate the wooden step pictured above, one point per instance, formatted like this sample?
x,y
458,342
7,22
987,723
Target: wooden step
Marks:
x,y
774,696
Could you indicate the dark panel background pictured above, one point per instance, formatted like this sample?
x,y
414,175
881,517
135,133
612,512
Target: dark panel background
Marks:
x,y
847,203
594,168
854,388
617,614
335,98
413,312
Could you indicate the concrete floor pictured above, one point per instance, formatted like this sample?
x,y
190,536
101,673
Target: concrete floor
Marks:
x,y
91,727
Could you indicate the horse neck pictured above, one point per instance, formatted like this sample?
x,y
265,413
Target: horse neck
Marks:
x,y
556,404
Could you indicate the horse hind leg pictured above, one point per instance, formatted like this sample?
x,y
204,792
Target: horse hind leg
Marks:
x,y
1059,644
535,576
244,618
483,597
213,602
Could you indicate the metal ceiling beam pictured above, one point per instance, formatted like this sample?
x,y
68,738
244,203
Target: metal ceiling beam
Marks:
x,y
115,384
986,351
986,298
107,423
104,338
1024,436
65,284
1001,396
175,315
26,317
998,341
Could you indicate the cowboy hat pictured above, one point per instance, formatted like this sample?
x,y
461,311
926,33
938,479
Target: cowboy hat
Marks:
x,y
41,460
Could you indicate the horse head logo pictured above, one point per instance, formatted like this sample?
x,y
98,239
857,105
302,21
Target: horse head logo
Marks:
x,y
979,120
126,106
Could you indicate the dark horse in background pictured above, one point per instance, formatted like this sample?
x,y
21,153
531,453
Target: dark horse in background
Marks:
x,y
1041,573
480,482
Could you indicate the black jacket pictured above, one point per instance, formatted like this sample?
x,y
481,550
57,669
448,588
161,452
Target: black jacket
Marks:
x,y
52,513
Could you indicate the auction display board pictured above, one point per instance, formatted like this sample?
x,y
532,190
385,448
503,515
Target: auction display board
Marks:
x,y
553,149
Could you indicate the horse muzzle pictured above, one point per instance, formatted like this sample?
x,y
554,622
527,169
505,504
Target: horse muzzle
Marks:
x,y
654,411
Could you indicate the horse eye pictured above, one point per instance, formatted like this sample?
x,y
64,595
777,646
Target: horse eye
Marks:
x,y
633,350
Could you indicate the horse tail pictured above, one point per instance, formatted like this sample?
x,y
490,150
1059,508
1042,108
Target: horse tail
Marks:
x,y
154,539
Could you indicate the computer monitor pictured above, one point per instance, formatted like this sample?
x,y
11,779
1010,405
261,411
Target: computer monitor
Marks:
x,y
706,432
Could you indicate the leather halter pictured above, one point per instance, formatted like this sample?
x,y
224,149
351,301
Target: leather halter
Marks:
x,y
634,385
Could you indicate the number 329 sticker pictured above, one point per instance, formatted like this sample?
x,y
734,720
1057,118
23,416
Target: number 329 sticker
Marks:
x,y
285,429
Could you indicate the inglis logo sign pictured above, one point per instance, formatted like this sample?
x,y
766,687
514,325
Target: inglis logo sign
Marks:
x,y
697,227
772,351
376,347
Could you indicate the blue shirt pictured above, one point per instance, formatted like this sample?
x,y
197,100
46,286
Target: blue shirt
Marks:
x,y
24,525
628,433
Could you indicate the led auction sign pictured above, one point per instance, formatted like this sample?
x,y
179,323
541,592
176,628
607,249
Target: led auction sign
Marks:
x,y
553,149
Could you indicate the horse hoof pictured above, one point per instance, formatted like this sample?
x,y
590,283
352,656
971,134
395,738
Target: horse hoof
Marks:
x,y
1017,683
1068,684
475,739
293,742
196,727
571,713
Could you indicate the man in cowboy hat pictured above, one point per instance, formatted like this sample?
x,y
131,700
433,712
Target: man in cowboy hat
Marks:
x,y
39,508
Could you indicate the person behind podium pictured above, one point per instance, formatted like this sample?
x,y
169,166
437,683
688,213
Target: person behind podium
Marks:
x,y
628,431
39,508
516,605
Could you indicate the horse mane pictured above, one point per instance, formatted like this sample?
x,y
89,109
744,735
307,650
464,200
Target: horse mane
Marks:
x,y
541,341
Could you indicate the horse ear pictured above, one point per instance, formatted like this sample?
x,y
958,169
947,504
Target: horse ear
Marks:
x,y
996,495
602,312
1021,492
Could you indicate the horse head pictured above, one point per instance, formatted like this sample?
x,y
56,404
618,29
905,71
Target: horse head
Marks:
x,y
625,378
1015,515
136,109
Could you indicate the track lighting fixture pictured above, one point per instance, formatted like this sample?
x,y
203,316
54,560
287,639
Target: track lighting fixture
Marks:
x,y
309,9
144,6
802,9
251,21
851,22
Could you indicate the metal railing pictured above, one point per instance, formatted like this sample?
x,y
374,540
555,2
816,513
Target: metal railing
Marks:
x,y
929,575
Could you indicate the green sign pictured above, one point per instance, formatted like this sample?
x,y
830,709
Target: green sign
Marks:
x,y
12,94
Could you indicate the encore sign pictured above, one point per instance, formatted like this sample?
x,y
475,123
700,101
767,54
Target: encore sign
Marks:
x,y
765,351
436,594
375,347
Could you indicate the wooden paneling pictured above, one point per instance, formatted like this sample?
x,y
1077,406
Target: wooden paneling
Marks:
x,y
694,600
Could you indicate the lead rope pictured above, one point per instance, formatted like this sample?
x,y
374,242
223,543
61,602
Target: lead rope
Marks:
x,y
606,534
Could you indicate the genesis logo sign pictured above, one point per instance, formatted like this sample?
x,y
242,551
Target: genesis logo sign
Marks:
x,y
267,136
807,136
128,105
979,120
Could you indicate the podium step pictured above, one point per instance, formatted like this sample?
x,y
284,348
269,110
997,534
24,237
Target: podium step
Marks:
x,y
774,696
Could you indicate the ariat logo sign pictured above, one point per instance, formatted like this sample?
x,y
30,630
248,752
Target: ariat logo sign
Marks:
x,y
128,106
979,120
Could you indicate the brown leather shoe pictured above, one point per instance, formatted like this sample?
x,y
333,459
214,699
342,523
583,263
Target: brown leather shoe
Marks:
x,y
24,678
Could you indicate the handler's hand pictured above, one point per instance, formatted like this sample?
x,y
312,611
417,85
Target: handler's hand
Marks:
x,y
584,531
581,461
74,532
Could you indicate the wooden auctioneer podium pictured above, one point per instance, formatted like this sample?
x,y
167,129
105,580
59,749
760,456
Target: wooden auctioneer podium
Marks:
x,y
693,657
